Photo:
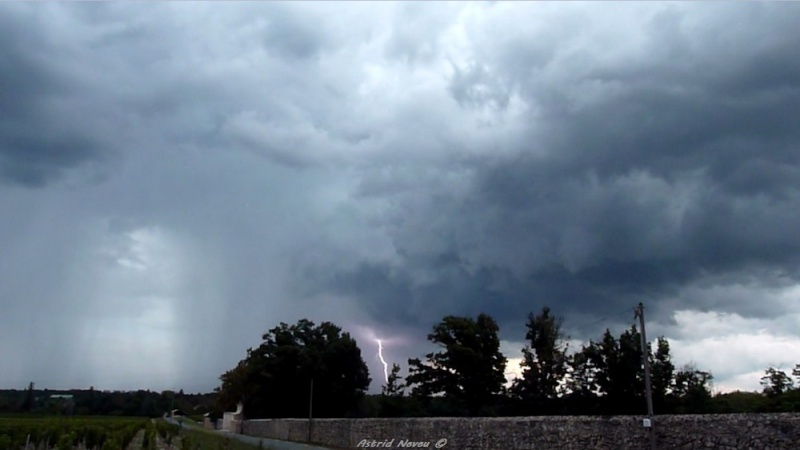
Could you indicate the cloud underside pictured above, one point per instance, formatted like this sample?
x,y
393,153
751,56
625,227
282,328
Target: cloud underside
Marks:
x,y
403,162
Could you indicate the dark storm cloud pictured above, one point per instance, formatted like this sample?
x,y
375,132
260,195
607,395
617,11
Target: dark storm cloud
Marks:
x,y
38,138
646,176
380,167
293,33
721,102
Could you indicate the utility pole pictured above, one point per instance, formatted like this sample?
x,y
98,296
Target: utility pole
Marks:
x,y
310,404
648,390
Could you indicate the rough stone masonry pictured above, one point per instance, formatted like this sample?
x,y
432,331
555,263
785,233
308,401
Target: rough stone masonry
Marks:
x,y
683,432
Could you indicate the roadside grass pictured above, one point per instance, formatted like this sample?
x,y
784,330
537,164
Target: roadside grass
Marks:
x,y
195,437
201,439
187,421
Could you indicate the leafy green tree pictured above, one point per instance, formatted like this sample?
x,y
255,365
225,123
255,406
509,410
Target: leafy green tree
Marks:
x,y
28,403
276,377
617,371
581,386
92,401
392,402
544,361
469,370
607,377
235,386
394,387
620,376
692,389
776,382
662,372
739,402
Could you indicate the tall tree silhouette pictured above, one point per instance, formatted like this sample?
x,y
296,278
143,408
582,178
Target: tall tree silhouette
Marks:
x,y
469,370
275,377
544,363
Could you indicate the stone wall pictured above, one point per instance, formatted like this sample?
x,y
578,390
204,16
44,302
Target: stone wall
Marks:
x,y
707,432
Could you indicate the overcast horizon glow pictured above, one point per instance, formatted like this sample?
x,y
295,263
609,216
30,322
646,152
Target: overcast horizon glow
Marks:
x,y
178,178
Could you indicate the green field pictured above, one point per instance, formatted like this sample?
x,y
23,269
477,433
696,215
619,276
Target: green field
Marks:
x,y
104,433
109,433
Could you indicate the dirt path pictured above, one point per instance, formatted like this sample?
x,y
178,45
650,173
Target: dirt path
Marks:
x,y
136,442
162,444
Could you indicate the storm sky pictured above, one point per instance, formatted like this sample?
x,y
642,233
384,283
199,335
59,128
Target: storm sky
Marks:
x,y
177,178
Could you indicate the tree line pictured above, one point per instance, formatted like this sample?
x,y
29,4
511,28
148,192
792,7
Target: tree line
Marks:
x,y
93,402
319,367
304,369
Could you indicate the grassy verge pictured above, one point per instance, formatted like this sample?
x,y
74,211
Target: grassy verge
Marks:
x,y
200,439
186,421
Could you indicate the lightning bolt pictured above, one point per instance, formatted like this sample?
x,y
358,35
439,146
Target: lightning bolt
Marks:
x,y
383,361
